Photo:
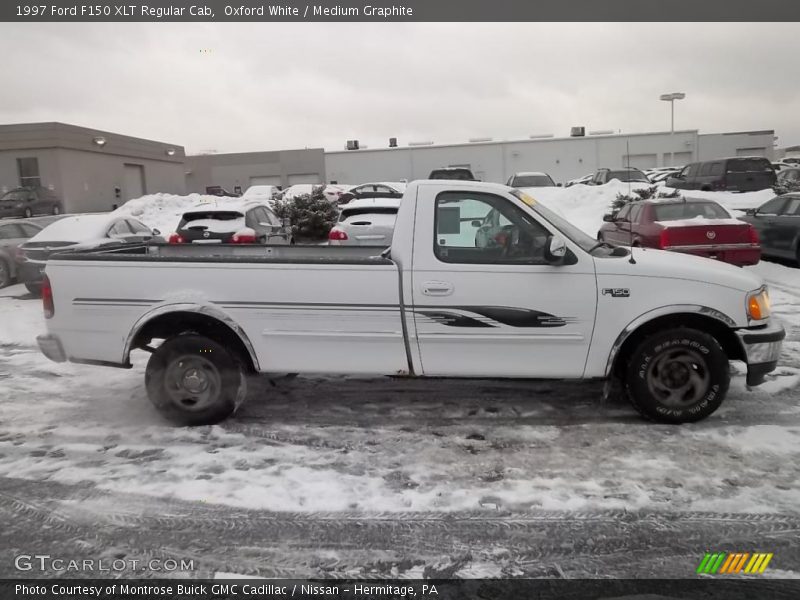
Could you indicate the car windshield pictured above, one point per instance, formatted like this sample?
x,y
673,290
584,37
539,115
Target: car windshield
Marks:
x,y
578,236
13,196
533,181
690,210
627,175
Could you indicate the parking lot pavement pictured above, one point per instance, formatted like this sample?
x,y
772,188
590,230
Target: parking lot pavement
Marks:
x,y
372,477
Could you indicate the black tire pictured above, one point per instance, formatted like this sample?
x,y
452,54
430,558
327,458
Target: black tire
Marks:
x,y
677,376
5,274
193,380
34,288
28,213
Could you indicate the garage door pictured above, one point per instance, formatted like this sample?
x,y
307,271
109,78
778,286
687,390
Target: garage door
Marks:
x,y
296,178
751,152
266,180
641,161
134,181
678,159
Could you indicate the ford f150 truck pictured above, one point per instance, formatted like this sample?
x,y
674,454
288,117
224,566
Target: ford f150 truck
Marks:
x,y
480,281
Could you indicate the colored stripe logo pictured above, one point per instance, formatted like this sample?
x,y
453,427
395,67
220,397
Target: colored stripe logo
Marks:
x,y
731,563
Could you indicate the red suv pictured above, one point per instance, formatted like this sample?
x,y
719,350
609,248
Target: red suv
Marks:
x,y
699,227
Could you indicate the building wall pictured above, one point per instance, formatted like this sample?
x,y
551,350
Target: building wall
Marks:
x,y
283,167
84,173
89,179
562,158
723,145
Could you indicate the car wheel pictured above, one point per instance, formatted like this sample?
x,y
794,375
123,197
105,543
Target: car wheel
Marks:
x,y
34,288
56,210
5,274
678,376
193,380
28,213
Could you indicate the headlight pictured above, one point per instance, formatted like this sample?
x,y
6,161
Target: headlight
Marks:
x,y
758,304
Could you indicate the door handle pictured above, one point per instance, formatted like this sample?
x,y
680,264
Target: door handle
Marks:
x,y
437,288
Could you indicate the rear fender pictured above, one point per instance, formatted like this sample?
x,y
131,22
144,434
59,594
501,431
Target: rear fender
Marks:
x,y
201,309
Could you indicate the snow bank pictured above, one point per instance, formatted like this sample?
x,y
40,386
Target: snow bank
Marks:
x,y
164,211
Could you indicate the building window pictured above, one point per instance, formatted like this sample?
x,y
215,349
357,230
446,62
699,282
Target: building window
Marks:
x,y
28,172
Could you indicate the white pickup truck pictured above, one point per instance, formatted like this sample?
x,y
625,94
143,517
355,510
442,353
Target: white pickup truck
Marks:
x,y
480,281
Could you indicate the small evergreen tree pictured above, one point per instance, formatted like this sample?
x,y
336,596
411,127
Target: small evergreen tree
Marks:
x,y
311,215
648,193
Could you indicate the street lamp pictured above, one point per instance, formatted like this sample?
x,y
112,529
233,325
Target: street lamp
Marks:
x,y
671,99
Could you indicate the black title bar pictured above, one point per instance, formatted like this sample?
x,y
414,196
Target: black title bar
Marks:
x,y
404,10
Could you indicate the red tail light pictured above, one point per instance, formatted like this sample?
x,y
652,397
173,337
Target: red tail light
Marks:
x,y
243,238
47,299
337,235
176,239
663,239
753,233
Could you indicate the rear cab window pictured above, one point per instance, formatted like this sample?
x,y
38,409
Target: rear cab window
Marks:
x,y
690,210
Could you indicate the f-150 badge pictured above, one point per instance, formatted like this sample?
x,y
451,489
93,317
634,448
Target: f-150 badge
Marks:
x,y
617,292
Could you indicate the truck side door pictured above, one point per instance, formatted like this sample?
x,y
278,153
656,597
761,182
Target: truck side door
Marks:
x,y
485,300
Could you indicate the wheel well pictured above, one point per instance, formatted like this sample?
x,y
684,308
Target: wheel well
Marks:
x,y
718,330
176,323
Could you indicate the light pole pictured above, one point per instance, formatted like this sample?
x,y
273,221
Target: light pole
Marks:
x,y
671,99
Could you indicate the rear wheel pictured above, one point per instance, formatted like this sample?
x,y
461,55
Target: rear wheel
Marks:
x,y
193,380
5,274
28,213
678,376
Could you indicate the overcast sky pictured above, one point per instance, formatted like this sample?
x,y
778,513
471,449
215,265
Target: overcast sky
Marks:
x,y
249,87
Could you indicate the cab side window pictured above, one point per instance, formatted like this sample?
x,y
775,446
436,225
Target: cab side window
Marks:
x,y
773,207
483,228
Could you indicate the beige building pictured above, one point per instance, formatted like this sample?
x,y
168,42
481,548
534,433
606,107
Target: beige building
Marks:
x,y
90,170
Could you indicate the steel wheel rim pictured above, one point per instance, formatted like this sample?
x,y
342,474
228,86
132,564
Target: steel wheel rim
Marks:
x,y
192,382
678,377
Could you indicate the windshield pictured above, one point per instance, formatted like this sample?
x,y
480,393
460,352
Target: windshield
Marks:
x,y
627,175
690,210
578,236
521,181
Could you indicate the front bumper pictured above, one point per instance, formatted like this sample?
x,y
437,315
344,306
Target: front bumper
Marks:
x,y
762,347
51,347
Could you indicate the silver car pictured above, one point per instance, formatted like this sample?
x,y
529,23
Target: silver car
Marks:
x,y
365,222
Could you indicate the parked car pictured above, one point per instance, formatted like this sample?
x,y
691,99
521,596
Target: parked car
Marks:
x,y
741,174
665,326
699,227
261,193
778,224
74,233
365,222
530,179
12,234
383,189
661,176
625,175
792,160
29,201
582,180
459,173
790,176
232,222
218,190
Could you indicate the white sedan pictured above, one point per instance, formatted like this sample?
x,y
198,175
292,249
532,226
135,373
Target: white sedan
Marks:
x,y
365,222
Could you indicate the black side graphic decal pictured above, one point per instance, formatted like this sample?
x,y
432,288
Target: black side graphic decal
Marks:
x,y
453,319
513,317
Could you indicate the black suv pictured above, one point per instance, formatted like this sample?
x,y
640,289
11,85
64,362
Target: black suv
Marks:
x,y
741,174
29,201
625,175
459,173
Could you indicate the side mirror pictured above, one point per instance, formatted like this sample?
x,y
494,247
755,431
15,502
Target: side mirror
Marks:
x,y
751,211
476,223
156,232
608,218
555,250
559,185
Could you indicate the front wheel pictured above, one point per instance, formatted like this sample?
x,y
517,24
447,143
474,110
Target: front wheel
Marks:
x,y
193,380
28,213
678,376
